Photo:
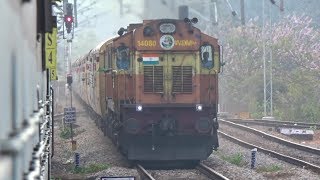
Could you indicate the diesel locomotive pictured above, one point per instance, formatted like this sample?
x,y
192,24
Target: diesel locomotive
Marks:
x,y
154,89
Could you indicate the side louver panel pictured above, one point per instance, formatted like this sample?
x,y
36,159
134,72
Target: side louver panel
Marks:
x,y
182,79
153,79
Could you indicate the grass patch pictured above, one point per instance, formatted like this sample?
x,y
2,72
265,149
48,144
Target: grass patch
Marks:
x,y
53,178
236,159
271,168
65,133
92,168
68,154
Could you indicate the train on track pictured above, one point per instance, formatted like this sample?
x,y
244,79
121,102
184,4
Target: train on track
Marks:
x,y
154,89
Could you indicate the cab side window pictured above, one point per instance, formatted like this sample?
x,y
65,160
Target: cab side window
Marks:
x,y
123,59
207,60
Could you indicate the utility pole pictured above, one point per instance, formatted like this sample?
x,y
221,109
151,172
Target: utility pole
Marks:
x,y
65,5
214,12
267,66
270,69
121,7
242,12
281,6
75,13
264,61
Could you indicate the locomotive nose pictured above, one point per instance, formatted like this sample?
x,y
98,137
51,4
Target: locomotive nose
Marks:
x,y
168,124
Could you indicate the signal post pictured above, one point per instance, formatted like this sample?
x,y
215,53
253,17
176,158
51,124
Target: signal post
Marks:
x,y
69,25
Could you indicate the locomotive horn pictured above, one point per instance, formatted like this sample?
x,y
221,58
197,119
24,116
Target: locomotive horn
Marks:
x,y
187,20
194,20
121,31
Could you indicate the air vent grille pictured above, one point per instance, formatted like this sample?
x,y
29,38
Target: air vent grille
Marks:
x,y
153,79
182,79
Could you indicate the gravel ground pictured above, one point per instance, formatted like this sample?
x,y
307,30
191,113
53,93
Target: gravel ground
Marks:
x,y
178,174
93,147
284,170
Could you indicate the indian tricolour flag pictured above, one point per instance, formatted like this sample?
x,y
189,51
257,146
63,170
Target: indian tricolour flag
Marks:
x,y
150,59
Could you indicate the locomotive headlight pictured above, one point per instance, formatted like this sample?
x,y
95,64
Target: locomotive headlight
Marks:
x,y
199,107
139,107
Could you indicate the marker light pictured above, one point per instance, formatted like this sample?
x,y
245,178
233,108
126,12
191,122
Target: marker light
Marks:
x,y
139,108
199,107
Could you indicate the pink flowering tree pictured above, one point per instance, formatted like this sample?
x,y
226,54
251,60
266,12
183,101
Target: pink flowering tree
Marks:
x,y
295,45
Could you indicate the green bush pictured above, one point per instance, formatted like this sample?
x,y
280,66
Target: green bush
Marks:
x,y
65,133
236,159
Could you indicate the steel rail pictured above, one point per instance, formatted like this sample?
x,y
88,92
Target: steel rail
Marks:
x,y
212,174
291,160
275,122
269,124
274,138
144,173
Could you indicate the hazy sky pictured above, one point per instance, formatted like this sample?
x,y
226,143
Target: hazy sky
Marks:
x,y
110,21
101,21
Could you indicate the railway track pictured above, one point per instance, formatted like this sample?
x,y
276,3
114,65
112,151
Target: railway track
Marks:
x,y
273,138
291,160
212,174
303,156
275,123
144,173
204,169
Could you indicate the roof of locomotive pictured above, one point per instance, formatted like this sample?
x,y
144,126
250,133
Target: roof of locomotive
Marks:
x,y
138,27
98,47
133,26
159,32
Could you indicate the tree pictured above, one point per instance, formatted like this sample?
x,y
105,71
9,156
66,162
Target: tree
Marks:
x,y
295,45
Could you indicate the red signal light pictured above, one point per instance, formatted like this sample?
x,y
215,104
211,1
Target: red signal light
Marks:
x,y
68,19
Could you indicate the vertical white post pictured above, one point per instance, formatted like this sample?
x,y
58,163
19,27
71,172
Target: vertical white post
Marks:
x,y
264,61
271,43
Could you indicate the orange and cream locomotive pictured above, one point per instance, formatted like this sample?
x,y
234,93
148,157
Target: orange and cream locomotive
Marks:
x,y
154,89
